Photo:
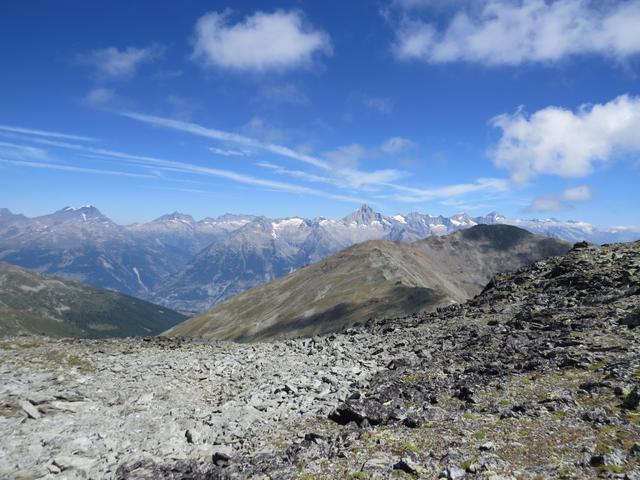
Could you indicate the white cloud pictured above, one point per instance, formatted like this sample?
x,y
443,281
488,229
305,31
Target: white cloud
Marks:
x,y
72,168
100,97
13,150
263,41
379,104
229,153
280,170
548,203
556,203
555,141
396,145
155,164
347,156
258,127
577,194
111,62
45,133
417,195
506,32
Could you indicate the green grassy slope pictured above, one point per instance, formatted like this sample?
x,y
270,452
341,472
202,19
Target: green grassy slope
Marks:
x,y
31,302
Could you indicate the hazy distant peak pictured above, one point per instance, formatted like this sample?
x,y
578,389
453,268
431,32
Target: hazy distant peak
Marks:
x,y
233,217
365,215
86,213
175,217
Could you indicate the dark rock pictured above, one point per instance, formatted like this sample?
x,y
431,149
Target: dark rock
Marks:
x,y
407,465
220,458
632,401
580,245
632,320
370,410
412,422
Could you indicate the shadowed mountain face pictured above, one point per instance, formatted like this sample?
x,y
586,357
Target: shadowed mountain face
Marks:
x,y
373,279
84,245
34,303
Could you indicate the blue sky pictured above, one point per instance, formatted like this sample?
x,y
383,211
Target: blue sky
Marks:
x,y
528,107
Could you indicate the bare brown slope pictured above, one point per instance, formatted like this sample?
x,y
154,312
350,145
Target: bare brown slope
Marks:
x,y
372,279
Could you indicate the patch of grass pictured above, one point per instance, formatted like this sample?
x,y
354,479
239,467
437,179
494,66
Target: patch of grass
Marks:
x,y
359,476
594,367
559,414
60,359
467,415
634,418
480,435
410,447
611,469
564,472
466,465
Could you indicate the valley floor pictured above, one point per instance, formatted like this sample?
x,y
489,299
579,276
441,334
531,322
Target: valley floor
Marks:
x,y
537,377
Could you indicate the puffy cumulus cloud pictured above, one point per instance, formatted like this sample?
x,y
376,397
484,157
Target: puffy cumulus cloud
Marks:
x,y
263,41
506,32
396,145
113,63
556,203
556,141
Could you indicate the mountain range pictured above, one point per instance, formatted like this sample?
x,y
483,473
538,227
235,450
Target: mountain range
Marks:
x,y
373,279
34,303
190,265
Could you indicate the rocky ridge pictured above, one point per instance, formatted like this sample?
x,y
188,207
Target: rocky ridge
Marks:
x,y
374,279
536,377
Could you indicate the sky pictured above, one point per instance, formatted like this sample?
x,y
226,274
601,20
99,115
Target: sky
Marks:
x,y
305,108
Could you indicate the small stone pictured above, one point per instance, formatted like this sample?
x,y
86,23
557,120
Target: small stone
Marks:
x,y
73,462
145,398
191,436
222,455
632,320
407,465
30,410
487,446
411,422
454,473
580,245
632,401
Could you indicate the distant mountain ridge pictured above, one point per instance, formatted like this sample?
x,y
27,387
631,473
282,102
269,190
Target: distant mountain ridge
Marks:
x,y
191,265
374,279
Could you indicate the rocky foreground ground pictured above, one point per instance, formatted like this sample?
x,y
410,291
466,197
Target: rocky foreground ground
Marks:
x,y
537,377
